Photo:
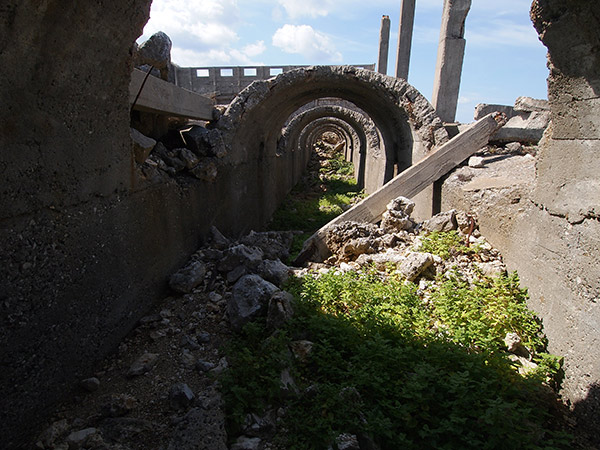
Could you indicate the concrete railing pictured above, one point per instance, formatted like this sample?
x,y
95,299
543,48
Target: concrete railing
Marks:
x,y
225,82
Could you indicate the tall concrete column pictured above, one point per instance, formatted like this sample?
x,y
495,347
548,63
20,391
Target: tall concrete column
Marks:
x,y
405,31
451,51
384,45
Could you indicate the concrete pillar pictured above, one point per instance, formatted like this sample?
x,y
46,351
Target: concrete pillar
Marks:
x,y
451,51
405,31
384,45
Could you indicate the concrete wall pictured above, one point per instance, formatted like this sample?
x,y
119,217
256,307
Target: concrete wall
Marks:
x,y
550,232
224,83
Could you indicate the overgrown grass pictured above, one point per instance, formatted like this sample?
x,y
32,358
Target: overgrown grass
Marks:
x,y
396,368
314,203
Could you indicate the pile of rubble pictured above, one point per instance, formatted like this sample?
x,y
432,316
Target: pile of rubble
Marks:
x,y
161,391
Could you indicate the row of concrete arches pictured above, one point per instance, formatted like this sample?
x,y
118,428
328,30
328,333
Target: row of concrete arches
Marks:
x,y
386,123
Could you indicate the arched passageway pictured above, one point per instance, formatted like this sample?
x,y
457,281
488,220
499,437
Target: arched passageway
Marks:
x,y
253,123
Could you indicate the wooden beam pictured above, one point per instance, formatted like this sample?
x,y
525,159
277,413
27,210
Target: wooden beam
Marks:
x,y
160,97
408,183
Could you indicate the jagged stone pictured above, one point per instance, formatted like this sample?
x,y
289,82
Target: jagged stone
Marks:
x,y
118,405
203,142
514,345
188,278
280,309
415,264
246,443
142,145
188,157
274,244
156,51
241,255
347,441
445,221
77,438
206,170
90,384
180,396
143,364
528,104
249,299
217,239
382,260
274,271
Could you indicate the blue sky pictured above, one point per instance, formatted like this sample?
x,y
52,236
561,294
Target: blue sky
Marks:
x,y
504,58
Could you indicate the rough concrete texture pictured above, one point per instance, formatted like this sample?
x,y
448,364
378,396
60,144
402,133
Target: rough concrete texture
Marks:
x,y
384,45
405,32
65,139
548,229
451,52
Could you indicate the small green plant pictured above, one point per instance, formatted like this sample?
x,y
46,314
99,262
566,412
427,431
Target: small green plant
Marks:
x,y
394,368
444,244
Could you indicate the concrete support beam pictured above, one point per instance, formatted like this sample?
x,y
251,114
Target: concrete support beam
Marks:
x,y
451,51
408,183
384,45
405,31
160,97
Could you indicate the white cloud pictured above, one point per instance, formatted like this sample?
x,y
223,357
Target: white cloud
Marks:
x,y
306,41
219,57
307,8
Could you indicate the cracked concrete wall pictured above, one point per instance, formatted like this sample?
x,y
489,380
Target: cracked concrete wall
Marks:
x,y
549,231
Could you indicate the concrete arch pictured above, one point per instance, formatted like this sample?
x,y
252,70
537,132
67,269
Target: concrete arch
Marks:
x,y
367,155
252,124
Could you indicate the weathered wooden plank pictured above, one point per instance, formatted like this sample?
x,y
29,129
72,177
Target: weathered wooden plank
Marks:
x,y
161,97
410,182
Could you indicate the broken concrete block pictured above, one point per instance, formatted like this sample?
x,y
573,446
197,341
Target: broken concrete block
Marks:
x,y
527,128
142,145
528,104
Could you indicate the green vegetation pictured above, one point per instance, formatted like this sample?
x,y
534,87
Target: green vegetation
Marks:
x,y
312,204
404,367
444,244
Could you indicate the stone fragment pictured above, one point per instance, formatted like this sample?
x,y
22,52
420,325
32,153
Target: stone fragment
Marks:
x,y
236,274
280,309
52,433
274,244
180,396
514,147
274,271
415,264
249,299
90,384
525,127
492,268
217,239
483,109
397,216
189,158
142,145
143,364
356,247
200,429
528,104
524,365
382,260
257,426
347,441
77,438
287,385
206,170
156,51
515,345
219,368
444,221
117,405
340,234
204,142
204,366
476,162
241,255
302,350
188,278
246,443
189,342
